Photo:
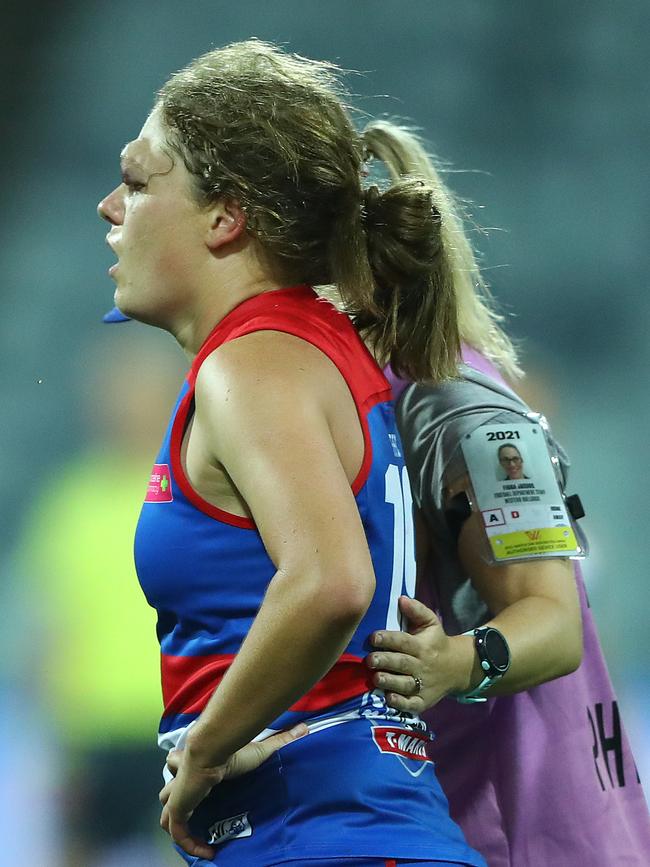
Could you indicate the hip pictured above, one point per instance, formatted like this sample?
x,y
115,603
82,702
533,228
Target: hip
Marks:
x,y
356,789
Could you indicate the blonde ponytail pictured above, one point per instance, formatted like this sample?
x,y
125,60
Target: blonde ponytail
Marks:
x,y
478,322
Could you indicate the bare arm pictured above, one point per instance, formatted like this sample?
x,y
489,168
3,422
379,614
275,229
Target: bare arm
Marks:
x,y
264,413
536,607
270,432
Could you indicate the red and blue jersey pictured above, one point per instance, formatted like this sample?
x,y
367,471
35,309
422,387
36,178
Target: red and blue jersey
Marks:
x,y
206,571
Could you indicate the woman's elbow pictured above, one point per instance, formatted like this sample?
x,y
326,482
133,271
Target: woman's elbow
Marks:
x,y
573,649
337,595
348,598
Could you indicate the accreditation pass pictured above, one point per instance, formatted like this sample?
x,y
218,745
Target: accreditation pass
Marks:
x,y
517,493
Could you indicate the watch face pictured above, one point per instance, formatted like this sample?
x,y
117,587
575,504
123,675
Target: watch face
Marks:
x,y
497,650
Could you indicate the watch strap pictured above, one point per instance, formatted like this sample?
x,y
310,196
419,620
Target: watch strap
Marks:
x,y
475,695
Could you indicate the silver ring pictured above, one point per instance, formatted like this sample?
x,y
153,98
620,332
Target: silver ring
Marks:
x,y
418,684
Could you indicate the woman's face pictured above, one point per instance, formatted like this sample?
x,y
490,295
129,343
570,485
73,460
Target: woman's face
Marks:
x,y
157,230
512,462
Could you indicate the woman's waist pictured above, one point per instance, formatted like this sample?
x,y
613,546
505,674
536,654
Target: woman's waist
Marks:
x,y
369,705
188,681
375,777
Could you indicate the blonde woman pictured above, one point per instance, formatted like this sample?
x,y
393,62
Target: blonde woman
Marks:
x,y
537,770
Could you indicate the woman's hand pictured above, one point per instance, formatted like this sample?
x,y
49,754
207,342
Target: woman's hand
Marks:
x,y
419,667
193,782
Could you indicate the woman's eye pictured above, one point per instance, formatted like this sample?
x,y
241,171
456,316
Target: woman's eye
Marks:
x,y
132,185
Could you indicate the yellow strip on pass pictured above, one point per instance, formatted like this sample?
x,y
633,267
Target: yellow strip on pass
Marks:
x,y
524,543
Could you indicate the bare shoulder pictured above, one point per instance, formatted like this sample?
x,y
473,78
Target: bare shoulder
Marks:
x,y
266,361
269,387
261,389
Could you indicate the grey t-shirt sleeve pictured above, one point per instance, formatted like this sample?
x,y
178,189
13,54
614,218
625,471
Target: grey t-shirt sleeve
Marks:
x,y
433,420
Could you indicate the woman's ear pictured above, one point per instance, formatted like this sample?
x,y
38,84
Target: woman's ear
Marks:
x,y
227,223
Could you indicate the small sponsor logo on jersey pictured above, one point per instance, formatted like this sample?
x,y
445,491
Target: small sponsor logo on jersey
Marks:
x,y
514,514
401,742
229,829
533,535
159,489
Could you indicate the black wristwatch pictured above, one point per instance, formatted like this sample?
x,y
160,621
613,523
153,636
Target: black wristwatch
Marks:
x,y
494,656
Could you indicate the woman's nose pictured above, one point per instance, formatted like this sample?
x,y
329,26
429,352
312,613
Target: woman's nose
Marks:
x,y
111,208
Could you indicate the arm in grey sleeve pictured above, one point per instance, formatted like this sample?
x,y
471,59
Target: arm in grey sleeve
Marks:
x,y
433,420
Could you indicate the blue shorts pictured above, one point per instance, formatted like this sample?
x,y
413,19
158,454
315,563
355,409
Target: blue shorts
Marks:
x,y
347,862
353,791
365,862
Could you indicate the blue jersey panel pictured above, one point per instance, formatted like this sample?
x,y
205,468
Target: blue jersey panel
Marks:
x,y
386,510
204,610
333,794
206,578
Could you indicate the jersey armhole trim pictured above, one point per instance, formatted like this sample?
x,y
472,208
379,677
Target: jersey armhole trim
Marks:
x,y
176,440
213,342
362,411
362,407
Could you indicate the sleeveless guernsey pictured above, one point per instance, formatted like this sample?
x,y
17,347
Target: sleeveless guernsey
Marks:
x,y
206,571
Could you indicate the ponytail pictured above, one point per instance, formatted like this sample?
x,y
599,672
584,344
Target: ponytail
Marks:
x,y
455,271
392,277
415,326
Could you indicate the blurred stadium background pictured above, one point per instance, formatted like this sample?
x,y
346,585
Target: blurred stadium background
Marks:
x,y
541,111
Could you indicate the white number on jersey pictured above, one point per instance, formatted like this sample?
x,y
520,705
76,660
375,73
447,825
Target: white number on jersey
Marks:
x,y
398,494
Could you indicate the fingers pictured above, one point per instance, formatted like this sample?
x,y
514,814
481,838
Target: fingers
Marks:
x,y
417,614
163,795
180,834
412,704
402,684
273,743
270,745
174,760
243,761
419,618
398,663
399,642
254,754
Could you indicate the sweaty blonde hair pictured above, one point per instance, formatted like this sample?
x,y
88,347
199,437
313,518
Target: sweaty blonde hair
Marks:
x,y
479,323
